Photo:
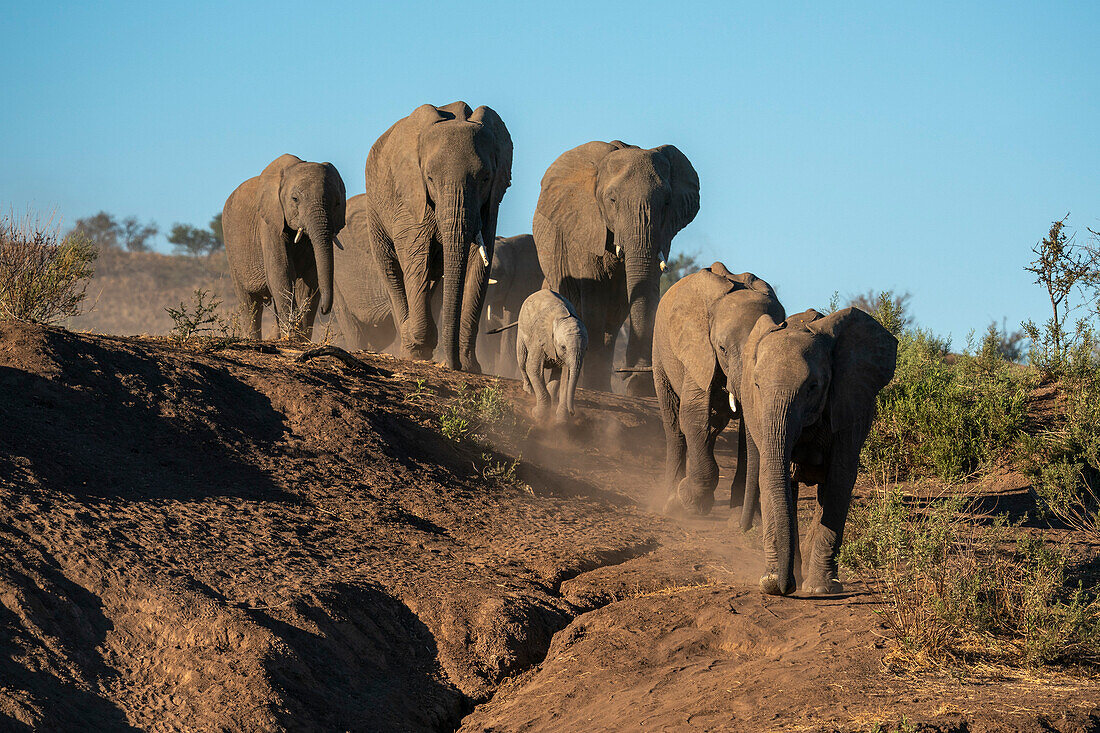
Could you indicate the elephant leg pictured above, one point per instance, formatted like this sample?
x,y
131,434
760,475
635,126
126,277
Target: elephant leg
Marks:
x,y
596,371
675,447
280,283
834,495
522,355
794,530
751,507
696,489
535,374
473,299
251,310
306,298
418,331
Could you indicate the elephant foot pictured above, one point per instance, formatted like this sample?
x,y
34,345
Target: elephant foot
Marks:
x,y
418,353
470,364
693,499
769,583
823,586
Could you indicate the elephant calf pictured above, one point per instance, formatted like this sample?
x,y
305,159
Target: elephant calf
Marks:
x,y
280,227
550,336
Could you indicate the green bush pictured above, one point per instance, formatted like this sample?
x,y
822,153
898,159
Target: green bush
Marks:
x,y
945,416
42,279
956,591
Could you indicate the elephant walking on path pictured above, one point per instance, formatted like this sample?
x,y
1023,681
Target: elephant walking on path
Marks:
x,y
603,227
280,228
434,181
515,275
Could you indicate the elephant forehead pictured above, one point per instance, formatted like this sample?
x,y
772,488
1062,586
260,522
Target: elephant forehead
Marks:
x,y
636,165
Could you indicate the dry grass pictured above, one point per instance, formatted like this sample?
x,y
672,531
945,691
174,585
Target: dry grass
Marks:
x,y
43,278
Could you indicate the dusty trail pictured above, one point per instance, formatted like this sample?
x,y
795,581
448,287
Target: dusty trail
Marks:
x,y
234,541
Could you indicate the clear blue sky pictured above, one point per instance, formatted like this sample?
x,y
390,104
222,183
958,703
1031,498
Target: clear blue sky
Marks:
x,y
840,146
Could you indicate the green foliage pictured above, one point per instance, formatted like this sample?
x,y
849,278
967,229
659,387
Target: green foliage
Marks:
x,y
958,591
941,416
216,227
679,265
192,241
198,323
472,411
891,309
42,280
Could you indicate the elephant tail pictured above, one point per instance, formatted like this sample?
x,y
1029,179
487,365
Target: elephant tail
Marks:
x,y
503,328
632,370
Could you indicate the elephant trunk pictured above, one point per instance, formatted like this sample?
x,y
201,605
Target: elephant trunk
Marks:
x,y
777,501
456,233
642,288
321,233
574,360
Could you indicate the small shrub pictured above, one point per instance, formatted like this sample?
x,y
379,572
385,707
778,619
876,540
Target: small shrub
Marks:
x,y
198,323
955,591
42,279
472,411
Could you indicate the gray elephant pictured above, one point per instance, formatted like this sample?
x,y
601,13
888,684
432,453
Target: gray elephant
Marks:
x,y
363,316
515,275
434,180
808,390
603,227
279,230
700,331
551,336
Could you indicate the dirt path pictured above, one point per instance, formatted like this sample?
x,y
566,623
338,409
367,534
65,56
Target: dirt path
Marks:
x,y
234,541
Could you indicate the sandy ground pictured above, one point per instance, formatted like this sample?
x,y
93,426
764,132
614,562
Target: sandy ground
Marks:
x,y
234,541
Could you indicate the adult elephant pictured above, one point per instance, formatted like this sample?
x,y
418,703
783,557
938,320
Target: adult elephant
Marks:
x,y
700,330
435,180
808,389
363,315
279,229
515,275
603,227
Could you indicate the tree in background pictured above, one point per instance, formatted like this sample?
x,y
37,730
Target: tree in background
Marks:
x,y
135,236
216,227
100,229
679,265
192,241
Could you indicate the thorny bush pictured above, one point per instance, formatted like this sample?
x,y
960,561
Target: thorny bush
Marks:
x,y
43,279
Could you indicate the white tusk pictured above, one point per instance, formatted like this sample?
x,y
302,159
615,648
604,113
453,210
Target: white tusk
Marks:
x,y
664,265
492,281
481,249
618,250
489,313
298,236
336,241
733,405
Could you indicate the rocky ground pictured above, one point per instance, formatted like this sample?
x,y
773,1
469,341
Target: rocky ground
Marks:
x,y
236,541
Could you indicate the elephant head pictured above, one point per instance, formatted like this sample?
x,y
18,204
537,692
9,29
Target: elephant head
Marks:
x,y
615,202
450,167
301,200
808,370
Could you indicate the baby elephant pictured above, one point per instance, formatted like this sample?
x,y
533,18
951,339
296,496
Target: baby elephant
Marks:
x,y
550,336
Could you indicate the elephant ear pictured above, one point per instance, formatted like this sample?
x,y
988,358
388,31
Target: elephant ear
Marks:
x,y
334,183
690,334
502,175
567,201
271,181
764,325
804,318
685,189
745,279
864,357
395,157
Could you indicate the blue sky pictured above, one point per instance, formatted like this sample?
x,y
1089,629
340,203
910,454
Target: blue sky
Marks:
x,y
840,146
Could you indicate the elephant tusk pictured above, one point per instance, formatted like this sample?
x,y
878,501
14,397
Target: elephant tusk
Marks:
x,y
489,313
492,281
664,265
336,241
733,405
484,255
298,236
618,250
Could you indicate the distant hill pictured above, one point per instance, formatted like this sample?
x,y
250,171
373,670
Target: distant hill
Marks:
x,y
130,290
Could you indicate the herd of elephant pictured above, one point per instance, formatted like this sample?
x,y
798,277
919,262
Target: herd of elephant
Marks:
x,y
411,264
